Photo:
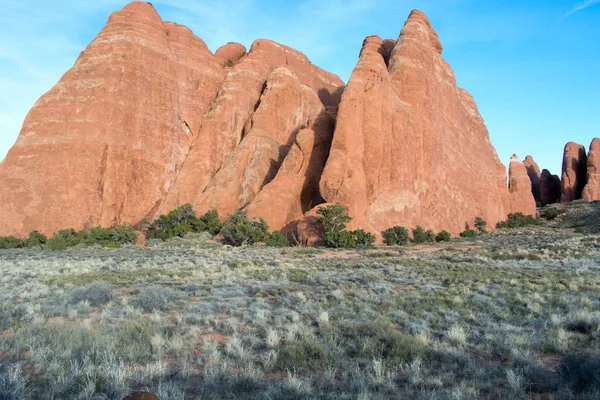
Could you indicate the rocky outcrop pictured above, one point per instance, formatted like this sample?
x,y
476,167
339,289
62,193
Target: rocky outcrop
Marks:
x,y
574,171
149,119
230,118
591,191
519,186
230,54
534,173
285,107
105,144
410,147
295,189
549,188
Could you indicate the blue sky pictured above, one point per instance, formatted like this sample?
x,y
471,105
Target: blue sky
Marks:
x,y
532,65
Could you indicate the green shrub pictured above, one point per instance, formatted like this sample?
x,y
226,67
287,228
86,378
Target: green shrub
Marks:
x,y
181,221
36,239
238,230
420,235
396,235
333,220
480,225
469,233
517,220
443,236
111,237
551,213
11,242
362,239
277,239
65,238
211,222
301,356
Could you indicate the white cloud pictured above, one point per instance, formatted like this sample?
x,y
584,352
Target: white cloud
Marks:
x,y
581,6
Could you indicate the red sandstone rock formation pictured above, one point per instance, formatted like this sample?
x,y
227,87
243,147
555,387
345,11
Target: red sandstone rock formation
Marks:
x,y
574,170
105,144
534,173
410,147
295,189
519,186
549,188
285,107
149,119
230,118
230,54
591,191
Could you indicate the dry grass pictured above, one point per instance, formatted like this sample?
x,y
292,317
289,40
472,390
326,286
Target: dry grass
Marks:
x,y
511,314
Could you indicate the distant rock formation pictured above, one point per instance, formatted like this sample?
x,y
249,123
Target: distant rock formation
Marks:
x,y
574,171
148,119
519,186
534,173
549,188
591,191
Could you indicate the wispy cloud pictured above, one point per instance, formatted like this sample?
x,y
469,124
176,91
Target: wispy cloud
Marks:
x,y
581,6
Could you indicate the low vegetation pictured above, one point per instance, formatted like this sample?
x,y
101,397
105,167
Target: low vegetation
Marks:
x,y
517,220
333,220
516,316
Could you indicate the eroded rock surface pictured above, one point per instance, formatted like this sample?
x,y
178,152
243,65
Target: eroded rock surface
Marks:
x,y
104,145
549,188
410,147
534,173
574,171
519,186
591,191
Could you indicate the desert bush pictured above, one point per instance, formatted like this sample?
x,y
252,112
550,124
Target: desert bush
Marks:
x,y
11,242
363,239
155,298
238,230
551,213
277,239
210,222
181,221
65,238
396,235
420,235
443,236
301,356
96,294
111,237
469,233
333,220
480,225
581,371
517,220
36,239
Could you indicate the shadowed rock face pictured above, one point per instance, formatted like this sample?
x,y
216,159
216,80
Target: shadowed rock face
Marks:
x,y
149,119
534,173
549,188
105,144
591,191
574,170
410,147
519,186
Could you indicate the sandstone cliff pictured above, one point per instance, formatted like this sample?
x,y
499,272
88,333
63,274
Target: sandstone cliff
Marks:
x,y
410,147
574,170
149,119
591,191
